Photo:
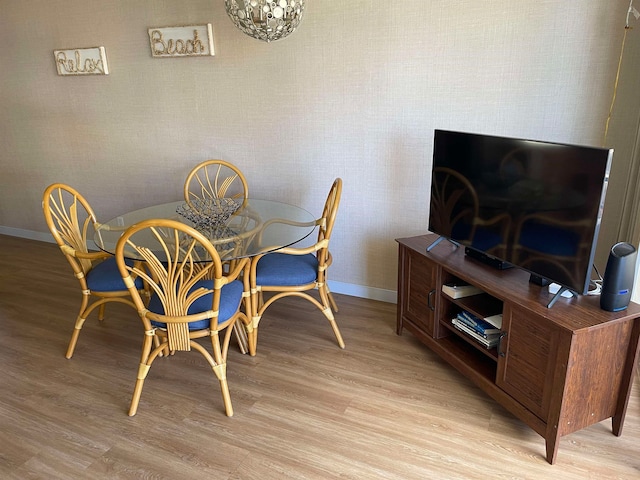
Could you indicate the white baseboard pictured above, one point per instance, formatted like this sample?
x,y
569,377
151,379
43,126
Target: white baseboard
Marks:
x,y
351,289
31,235
372,293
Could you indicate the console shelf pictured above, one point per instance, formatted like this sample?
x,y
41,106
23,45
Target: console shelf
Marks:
x,y
548,361
489,352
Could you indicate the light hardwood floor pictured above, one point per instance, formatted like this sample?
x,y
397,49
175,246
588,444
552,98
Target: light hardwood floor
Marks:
x,y
383,408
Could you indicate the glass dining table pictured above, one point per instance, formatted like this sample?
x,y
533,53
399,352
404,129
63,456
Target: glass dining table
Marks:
x,y
257,226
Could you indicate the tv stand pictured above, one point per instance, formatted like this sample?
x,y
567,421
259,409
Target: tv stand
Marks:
x,y
557,295
555,370
538,280
440,239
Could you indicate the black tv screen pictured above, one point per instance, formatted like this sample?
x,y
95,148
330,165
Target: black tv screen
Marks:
x,y
532,204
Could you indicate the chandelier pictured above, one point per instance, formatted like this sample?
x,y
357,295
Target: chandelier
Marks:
x,y
266,20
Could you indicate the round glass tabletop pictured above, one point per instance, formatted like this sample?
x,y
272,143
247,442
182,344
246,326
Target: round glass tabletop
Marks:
x,y
257,226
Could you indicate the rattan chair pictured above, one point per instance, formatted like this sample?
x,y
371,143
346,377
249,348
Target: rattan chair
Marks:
x,y
215,179
191,298
296,271
218,180
71,220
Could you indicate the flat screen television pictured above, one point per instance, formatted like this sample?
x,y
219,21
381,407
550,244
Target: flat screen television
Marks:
x,y
529,204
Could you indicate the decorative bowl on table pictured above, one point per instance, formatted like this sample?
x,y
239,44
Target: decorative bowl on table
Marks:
x,y
208,213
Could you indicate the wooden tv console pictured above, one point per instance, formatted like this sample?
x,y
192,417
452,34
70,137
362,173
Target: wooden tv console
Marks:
x,y
557,369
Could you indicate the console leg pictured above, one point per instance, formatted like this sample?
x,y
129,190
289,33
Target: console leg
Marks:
x,y
616,424
552,449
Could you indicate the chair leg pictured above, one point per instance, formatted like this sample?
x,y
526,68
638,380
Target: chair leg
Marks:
x,y
143,370
327,299
249,334
74,336
221,373
334,326
137,391
82,316
218,363
256,301
101,312
254,335
165,351
334,305
241,336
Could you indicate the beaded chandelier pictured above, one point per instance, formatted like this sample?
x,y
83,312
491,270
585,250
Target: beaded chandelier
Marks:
x,y
266,20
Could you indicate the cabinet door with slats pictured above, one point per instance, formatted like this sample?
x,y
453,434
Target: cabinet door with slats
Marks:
x,y
527,359
418,301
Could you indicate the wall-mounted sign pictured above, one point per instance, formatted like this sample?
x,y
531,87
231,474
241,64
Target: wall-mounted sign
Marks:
x,y
189,41
81,61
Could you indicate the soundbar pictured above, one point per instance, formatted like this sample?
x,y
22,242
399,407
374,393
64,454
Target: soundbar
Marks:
x,y
486,259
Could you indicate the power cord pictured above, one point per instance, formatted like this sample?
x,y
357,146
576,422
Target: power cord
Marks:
x,y
596,284
631,11
597,287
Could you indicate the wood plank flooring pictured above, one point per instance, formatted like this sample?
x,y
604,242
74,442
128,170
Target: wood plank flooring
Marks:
x,y
383,408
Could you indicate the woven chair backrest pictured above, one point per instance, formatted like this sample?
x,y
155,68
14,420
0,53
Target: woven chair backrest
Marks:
x,y
215,179
70,219
176,259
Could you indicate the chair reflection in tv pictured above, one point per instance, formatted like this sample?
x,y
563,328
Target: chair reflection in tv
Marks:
x,y
555,242
455,215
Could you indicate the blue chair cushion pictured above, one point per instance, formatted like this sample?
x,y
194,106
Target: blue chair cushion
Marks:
x,y
549,239
281,269
484,239
230,298
105,277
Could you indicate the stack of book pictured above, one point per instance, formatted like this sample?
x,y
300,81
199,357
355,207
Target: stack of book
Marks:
x,y
460,290
485,331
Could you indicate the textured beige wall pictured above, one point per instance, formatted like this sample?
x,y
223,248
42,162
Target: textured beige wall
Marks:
x,y
356,92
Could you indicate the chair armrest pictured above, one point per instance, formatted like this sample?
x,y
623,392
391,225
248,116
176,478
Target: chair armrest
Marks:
x,y
240,266
67,250
296,250
284,221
